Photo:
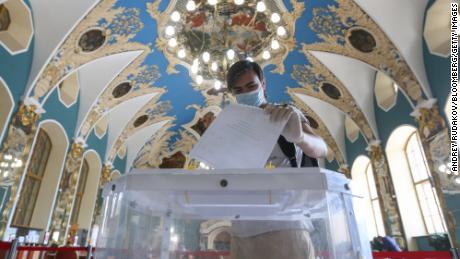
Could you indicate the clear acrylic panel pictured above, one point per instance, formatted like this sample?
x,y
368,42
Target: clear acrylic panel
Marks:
x,y
286,221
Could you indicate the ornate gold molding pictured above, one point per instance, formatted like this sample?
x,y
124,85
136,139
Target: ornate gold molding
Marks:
x,y
386,194
67,189
334,24
18,143
69,57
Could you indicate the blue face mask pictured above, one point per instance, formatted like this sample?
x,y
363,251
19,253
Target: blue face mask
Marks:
x,y
254,98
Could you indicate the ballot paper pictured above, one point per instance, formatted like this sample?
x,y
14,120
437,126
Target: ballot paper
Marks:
x,y
240,137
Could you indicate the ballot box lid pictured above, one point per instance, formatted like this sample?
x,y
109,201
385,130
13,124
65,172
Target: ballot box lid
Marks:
x,y
315,179
254,193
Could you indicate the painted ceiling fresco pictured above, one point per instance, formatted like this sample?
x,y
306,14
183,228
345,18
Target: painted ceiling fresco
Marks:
x,y
173,40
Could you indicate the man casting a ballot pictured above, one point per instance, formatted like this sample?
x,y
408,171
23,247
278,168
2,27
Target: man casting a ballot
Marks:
x,y
297,146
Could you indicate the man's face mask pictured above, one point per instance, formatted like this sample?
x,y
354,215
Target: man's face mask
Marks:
x,y
254,98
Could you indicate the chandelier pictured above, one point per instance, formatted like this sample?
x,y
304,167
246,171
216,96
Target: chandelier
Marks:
x,y
8,164
210,35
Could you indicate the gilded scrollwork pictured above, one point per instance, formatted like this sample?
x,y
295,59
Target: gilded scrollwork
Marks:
x,y
67,187
113,22
335,26
17,143
387,197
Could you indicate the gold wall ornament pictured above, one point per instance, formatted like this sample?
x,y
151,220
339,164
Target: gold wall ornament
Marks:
x,y
18,142
105,174
336,25
67,190
77,149
386,194
312,78
26,117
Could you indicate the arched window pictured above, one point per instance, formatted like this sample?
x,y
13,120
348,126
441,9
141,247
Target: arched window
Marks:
x,y
80,191
426,194
86,193
33,180
364,185
374,200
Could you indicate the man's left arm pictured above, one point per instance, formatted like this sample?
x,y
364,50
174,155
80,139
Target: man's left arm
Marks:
x,y
311,144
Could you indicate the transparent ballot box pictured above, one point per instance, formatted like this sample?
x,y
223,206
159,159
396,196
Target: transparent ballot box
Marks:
x,y
252,213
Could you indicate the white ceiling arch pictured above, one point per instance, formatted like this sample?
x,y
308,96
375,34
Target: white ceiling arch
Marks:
x,y
50,32
402,21
135,142
121,114
358,77
95,76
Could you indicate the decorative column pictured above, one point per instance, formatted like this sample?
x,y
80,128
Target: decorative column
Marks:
x,y
435,140
386,194
106,173
16,147
67,189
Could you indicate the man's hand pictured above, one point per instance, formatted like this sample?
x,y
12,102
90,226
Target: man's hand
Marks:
x,y
293,130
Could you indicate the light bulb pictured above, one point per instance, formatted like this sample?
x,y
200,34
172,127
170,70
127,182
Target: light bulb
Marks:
x,y
217,84
275,17
170,30
195,62
194,69
181,53
206,57
275,44
230,54
212,2
457,180
8,157
190,5
172,42
175,16
281,31
250,59
266,54
261,6
6,173
214,66
442,168
238,2
199,79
